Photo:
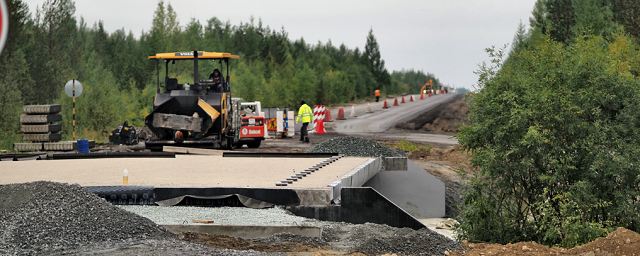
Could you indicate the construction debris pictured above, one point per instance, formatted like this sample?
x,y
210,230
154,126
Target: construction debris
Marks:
x,y
124,134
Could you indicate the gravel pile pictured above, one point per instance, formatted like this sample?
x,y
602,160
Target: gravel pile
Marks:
x,y
380,239
354,146
220,215
452,197
401,152
287,237
41,217
153,247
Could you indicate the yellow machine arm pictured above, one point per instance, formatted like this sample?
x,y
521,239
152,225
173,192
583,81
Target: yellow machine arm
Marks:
x,y
424,87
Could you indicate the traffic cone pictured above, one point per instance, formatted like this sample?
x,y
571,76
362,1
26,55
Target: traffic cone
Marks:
x,y
320,127
429,93
385,105
395,103
341,114
402,100
369,108
422,96
327,116
411,99
353,111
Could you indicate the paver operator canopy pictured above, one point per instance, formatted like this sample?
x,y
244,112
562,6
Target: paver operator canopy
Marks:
x,y
200,112
171,57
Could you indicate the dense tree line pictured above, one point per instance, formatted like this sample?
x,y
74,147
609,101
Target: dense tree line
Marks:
x,y
554,128
47,48
413,80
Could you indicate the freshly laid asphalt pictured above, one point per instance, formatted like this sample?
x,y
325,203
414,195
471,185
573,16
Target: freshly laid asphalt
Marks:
x,y
380,124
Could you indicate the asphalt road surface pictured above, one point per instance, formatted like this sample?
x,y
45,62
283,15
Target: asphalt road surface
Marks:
x,y
381,123
378,125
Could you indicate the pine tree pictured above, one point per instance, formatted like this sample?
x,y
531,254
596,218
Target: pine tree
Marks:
x,y
375,63
627,13
539,13
54,48
519,39
592,16
561,16
15,75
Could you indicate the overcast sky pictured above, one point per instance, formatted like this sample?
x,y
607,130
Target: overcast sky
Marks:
x,y
443,37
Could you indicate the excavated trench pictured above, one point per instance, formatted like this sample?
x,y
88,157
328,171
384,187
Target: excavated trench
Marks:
x,y
429,116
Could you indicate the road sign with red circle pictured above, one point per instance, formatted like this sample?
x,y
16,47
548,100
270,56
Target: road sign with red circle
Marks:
x,y
4,24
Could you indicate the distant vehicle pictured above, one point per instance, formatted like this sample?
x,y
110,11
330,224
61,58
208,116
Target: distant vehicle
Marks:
x,y
424,90
201,114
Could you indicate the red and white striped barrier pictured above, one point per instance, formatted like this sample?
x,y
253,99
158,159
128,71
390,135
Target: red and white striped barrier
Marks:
x,y
318,114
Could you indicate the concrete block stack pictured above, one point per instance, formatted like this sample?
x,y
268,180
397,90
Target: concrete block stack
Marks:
x,y
38,126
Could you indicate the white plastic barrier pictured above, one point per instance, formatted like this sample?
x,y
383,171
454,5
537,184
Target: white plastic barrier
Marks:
x,y
291,123
280,121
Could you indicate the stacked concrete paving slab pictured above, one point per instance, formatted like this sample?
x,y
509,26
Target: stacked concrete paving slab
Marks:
x,y
38,126
40,131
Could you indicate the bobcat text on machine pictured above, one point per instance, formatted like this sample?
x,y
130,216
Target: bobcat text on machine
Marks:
x,y
199,114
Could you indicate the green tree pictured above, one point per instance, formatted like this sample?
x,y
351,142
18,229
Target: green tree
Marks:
x,y
306,82
373,60
54,48
100,107
554,136
15,75
593,15
520,38
561,17
539,15
627,14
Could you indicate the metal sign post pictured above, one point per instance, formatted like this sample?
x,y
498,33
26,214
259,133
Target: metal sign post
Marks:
x,y
74,110
70,89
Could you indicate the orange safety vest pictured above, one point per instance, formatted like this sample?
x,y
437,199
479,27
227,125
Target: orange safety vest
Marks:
x,y
377,93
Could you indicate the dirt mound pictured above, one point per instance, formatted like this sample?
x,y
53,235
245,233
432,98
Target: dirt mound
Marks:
x,y
276,243
620,242
522,248
377,239
450,118
452,155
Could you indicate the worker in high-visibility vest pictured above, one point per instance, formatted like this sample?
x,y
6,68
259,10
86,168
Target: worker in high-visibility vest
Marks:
x,y
305,115
377,95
